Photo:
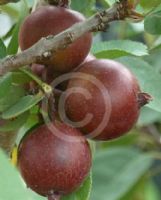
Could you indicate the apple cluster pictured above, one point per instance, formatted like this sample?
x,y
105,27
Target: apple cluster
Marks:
x,y
102,101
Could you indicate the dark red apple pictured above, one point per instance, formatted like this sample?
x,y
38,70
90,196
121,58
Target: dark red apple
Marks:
x,y
38,69
123,90
90,57
51,163
51,20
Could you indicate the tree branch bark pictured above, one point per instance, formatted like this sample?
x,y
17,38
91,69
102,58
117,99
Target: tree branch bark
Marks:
x,y
46,47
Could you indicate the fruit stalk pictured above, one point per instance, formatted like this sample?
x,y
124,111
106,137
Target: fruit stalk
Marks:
x,y
54,197
62,3
43,48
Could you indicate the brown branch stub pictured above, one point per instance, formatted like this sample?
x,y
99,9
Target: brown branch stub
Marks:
x,y
127,9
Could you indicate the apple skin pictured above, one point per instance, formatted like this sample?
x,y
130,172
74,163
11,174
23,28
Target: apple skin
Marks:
x,y
52,164
89,57
38,69
51,20
123,90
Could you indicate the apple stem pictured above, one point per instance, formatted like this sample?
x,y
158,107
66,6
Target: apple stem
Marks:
x,y
64,3
144,98
61,3
54,197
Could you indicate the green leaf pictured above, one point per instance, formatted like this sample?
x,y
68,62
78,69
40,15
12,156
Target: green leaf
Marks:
x,y
31,122
44,86
152,23
83,193
14,124
13,94
24,104
83,6
152,191
10,92
125,141
149,4
13,45
149,79
9,1
148,116
116,171
11,184
110,2
118,48
32,76
20,78
156,45
9,33
3,51
5,84
137,190
10,9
